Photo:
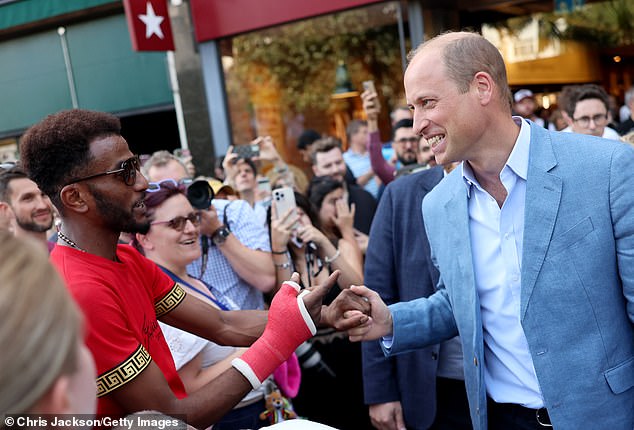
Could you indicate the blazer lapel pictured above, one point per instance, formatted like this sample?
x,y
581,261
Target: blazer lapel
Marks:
x,y
543,194
457,216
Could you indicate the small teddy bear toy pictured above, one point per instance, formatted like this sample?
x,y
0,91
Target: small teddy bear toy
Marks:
x,y
278,408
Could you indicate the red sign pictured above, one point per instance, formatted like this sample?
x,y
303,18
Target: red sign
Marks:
x,y
219,18
149,25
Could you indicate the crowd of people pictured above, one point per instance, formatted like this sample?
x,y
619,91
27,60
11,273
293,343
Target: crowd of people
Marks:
x,y
472,272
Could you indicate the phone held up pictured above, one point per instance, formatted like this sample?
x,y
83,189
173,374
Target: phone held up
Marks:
x,y
369,86
247,151
284,199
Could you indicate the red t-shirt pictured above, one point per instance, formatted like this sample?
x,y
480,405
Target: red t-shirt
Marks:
x,y
121,302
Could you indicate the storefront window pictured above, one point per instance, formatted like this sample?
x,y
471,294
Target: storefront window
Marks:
x,y
280,81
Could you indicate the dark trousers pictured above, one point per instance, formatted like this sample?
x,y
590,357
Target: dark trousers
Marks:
x,y
507,416
452,406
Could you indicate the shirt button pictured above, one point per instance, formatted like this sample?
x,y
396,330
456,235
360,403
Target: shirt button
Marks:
x,y
507,236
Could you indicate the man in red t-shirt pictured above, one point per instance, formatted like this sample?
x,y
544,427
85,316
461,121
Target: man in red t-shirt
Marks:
x,y
81,161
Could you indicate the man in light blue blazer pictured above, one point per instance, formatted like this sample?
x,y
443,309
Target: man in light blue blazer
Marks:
x,y
534,240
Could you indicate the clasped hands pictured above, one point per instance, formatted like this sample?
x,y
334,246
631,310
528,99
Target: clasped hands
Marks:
x,y
357,310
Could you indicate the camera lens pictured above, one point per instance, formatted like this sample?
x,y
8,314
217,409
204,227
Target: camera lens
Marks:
x,y
199,194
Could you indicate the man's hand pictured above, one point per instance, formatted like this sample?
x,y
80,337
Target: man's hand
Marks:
x,y
229,165
314,296
268,151
387,416
209,221
378,325
348,311
371,105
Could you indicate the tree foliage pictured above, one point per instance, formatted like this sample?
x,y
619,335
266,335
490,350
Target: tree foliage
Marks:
x,y
303,56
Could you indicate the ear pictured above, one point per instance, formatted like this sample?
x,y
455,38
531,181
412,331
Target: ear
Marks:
x,y
315,170
55,401
483,86
144,241
74,197
567,118
7,218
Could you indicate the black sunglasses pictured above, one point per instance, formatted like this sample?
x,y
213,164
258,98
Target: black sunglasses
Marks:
x,y
127,171
179,222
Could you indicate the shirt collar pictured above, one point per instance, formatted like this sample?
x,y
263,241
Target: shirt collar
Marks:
x,y
517,161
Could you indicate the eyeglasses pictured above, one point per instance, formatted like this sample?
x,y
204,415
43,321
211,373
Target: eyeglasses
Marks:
x,y
414,139
127,171
180,222
598,119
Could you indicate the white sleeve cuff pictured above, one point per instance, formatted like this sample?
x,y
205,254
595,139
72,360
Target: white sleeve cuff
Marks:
x,y
387,341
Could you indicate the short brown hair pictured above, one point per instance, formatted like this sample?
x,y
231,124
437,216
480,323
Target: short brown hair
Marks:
x,y
324,144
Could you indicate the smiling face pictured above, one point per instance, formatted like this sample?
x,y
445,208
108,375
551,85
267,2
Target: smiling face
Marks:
x,y
448,119
32,208
167,245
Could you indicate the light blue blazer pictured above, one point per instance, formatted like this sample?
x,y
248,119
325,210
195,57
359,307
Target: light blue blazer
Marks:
x,y
577,298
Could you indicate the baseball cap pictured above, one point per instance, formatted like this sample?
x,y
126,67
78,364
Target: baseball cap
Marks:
x,y
522,94
220,188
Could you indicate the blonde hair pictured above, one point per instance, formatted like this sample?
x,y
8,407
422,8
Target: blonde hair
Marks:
x,y
628,138
40,326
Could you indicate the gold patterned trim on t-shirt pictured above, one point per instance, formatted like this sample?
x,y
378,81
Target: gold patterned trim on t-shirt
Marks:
x,y
169,301
124,372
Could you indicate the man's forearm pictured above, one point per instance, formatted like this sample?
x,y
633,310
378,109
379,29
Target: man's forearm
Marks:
x,y
254,267
236,328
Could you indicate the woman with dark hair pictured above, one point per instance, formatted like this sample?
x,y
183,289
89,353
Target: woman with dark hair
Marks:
x,y
336,218
172,243
315,243
299,245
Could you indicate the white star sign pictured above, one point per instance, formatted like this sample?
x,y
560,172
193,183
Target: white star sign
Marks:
x,y
152,22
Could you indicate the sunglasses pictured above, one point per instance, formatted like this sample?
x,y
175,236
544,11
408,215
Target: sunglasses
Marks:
x,y
180,222
170,184
127,171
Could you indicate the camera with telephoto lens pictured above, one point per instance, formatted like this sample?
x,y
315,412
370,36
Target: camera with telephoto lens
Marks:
x,y
200,194
310,358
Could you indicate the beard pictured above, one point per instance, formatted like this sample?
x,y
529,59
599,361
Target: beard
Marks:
x,y
116,217
30,225
407,158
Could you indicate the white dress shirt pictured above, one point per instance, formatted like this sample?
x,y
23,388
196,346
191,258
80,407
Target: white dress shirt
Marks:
x,y
496,236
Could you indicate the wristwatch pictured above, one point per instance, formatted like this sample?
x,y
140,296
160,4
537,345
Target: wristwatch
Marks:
x,y
220,235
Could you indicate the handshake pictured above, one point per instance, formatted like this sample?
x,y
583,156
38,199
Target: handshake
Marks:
x,y
293,318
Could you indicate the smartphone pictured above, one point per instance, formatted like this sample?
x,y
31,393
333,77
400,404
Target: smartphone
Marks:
x,y
247,151
369,86
284,199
